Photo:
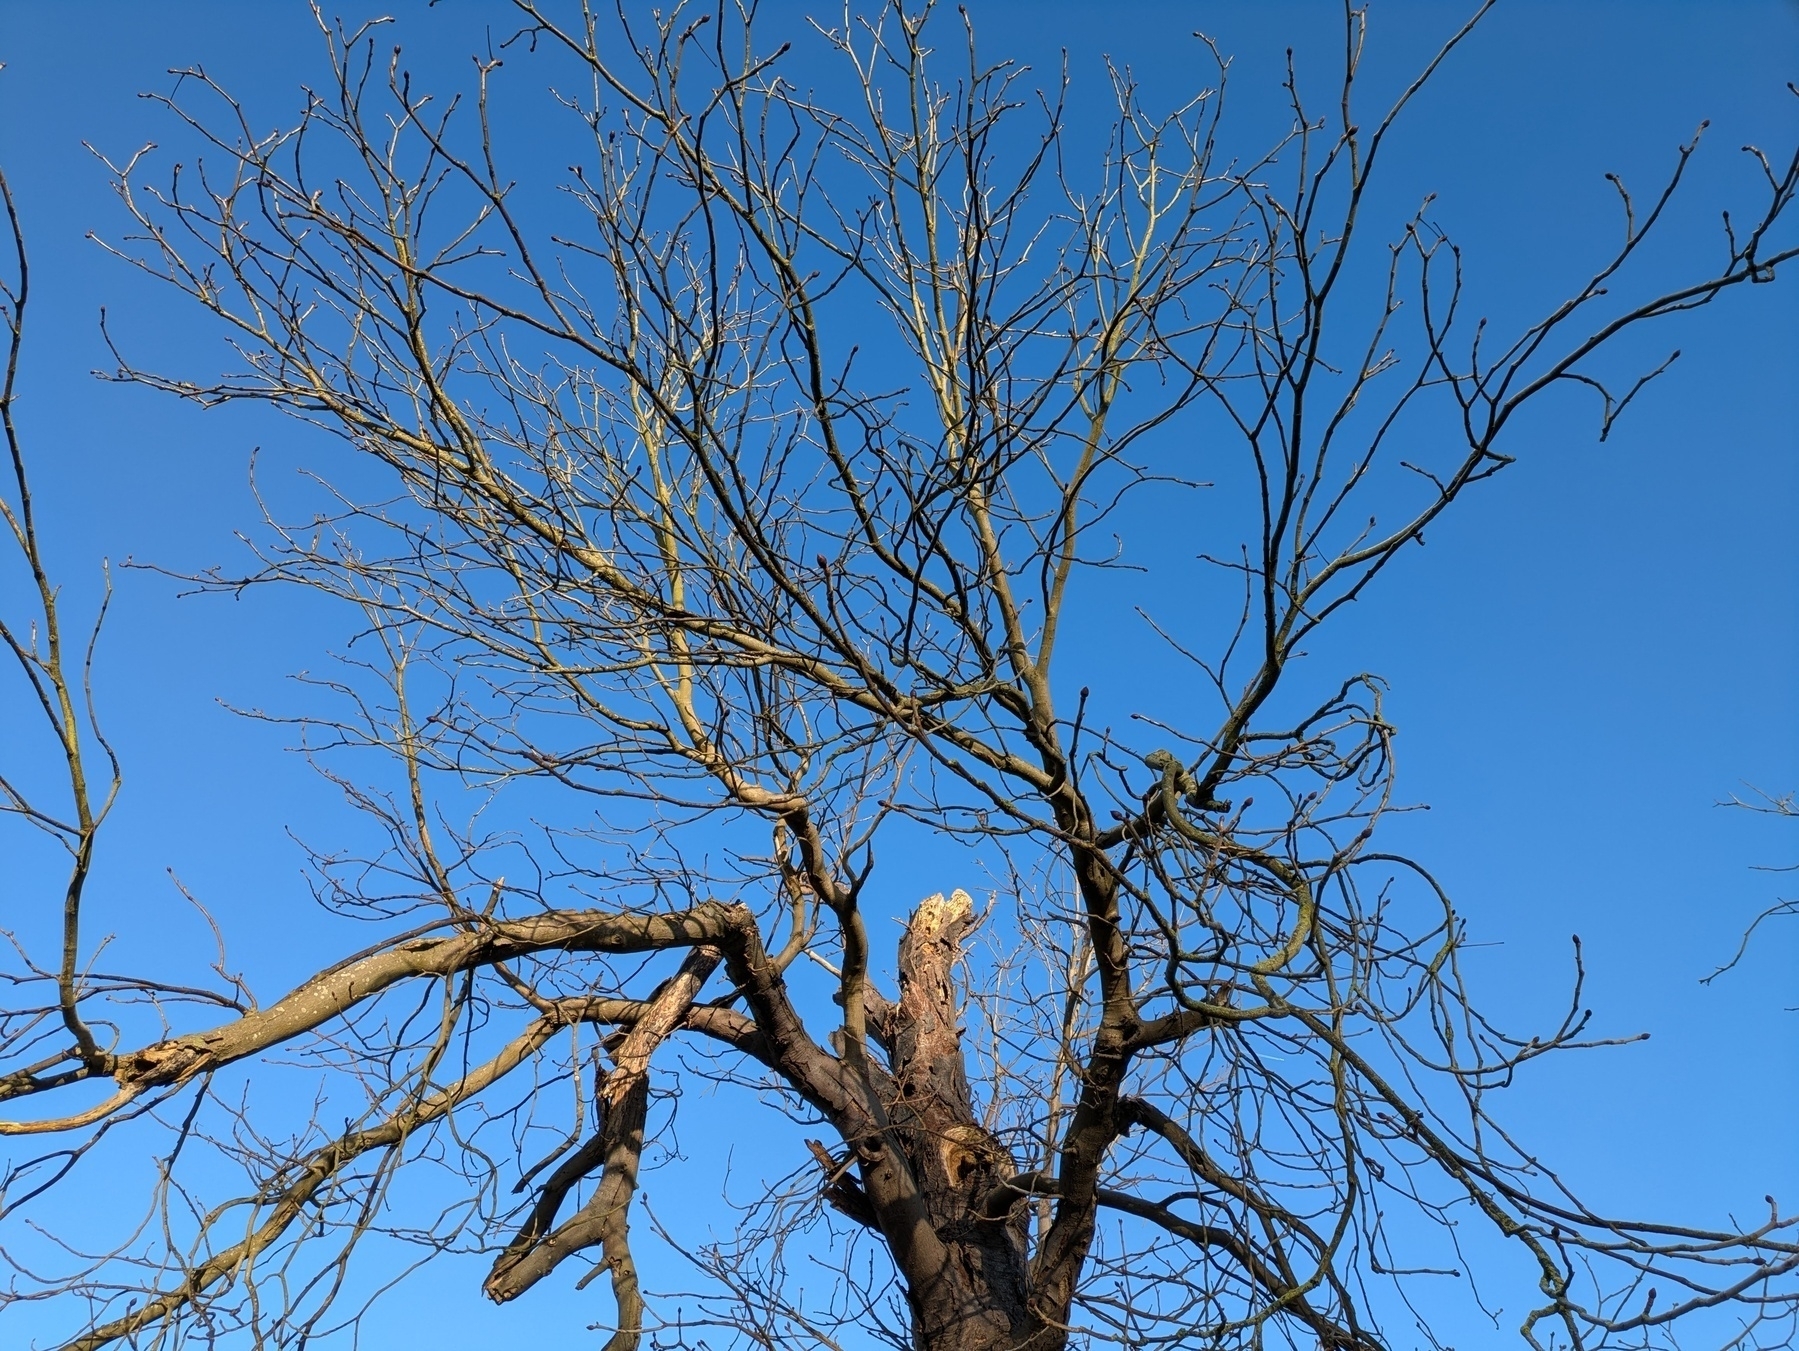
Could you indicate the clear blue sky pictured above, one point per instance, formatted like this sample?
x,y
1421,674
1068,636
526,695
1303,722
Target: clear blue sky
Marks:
x,y
1583,662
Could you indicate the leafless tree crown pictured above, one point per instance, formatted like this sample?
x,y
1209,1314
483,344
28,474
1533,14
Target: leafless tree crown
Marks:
x,y
728,508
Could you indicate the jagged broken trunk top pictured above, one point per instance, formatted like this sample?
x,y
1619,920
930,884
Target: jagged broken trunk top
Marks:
x,y
925,1172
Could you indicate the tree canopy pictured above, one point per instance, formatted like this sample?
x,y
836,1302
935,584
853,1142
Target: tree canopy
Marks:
x,y
717,519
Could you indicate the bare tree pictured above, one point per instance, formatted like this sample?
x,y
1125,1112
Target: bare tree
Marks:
x,y
737,501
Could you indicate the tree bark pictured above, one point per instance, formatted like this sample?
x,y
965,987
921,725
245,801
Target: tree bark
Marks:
x,y
975,1295
617,1150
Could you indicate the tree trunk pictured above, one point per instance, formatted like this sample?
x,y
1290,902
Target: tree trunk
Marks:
x,y
972,1292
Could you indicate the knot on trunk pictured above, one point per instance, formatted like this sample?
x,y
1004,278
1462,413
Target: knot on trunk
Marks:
x,y
166,1062
967,1150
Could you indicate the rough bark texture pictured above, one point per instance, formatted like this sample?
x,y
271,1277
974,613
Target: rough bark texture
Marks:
x,y
971,1294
